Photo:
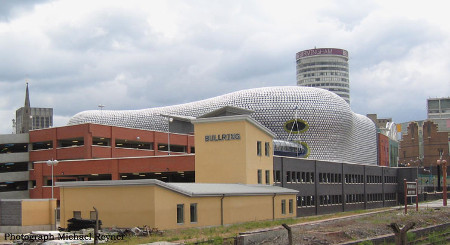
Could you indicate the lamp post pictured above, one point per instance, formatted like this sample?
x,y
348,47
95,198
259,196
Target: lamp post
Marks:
x,y
419,164
169,120
444,176
52,163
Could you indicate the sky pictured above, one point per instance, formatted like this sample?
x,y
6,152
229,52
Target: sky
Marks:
x,y
136,54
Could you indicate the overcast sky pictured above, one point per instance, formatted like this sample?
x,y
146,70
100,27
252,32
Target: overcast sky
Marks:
x,y
142,54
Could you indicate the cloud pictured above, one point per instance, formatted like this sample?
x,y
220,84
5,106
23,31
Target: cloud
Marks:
x,y
141,54
10,9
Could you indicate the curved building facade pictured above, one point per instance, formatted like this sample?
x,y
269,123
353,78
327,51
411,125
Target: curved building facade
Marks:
x,y
319,120
325,68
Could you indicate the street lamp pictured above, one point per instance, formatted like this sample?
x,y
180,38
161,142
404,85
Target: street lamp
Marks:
x,y
169,120
52,163
444,176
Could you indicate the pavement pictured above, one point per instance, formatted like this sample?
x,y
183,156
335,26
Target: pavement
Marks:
x,y
433,204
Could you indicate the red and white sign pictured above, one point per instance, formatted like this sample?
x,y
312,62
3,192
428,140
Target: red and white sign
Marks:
x,y
322,51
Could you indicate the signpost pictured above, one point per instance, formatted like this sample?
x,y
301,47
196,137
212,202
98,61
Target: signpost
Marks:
x,y
411,190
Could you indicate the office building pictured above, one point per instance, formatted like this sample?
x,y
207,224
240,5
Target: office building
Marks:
x,y
325,68
31,118
387,143
438,108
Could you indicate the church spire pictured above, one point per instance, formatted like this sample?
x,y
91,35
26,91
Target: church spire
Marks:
x,y
26,114
27,98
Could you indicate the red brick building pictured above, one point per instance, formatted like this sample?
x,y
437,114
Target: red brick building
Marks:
x,y
98,152
383,149
426,142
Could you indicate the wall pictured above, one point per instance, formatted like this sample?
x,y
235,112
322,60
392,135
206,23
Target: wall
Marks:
x,y
38,212
255,162
383,149
433,141
409,145
208,209
130,206
336,187
230,166
238,161
23,216
121,206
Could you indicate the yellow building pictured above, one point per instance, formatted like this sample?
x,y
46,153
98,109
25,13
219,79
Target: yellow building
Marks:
x,y
26,215
233,165
232,149
130,203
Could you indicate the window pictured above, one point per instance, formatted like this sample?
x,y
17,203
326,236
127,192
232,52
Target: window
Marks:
x,y
266,149
71,142
193,212
173,148
123,143
42,145
291,206
77,214
259,176
258,148
101,141
277,176
92,215
267,177
180,213
13,167
283,206
13,148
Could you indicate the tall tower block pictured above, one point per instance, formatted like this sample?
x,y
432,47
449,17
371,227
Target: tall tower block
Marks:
x,y
325,68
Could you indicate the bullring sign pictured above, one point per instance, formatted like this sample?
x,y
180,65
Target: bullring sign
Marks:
x,y
222,137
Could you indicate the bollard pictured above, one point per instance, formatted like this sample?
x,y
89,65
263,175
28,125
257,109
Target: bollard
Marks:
x,y
289,233
96,227
400,234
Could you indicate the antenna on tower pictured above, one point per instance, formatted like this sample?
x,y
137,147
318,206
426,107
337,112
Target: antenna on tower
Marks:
x,y
14,126
101,107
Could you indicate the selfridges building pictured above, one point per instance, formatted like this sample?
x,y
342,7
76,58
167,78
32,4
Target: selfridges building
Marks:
x,y
318,119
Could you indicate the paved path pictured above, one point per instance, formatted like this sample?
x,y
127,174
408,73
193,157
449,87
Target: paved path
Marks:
x,y
432,204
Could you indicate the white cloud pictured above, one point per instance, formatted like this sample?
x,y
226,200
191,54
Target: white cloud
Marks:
x,y
140,54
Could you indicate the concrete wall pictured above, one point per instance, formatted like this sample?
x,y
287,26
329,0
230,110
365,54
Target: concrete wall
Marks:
x,y
14,176
15,195
15,157
10,212
14,138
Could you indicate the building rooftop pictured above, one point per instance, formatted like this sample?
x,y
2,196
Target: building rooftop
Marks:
x,y
189,189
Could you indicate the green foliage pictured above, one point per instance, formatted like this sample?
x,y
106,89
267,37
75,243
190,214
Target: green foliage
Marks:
x,y
366,243
410,236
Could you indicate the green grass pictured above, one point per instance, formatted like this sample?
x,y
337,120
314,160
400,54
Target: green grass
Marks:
x,y
436,237
216,235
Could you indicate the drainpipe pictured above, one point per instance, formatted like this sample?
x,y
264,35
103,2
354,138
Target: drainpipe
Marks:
x,y
273,206
221,209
